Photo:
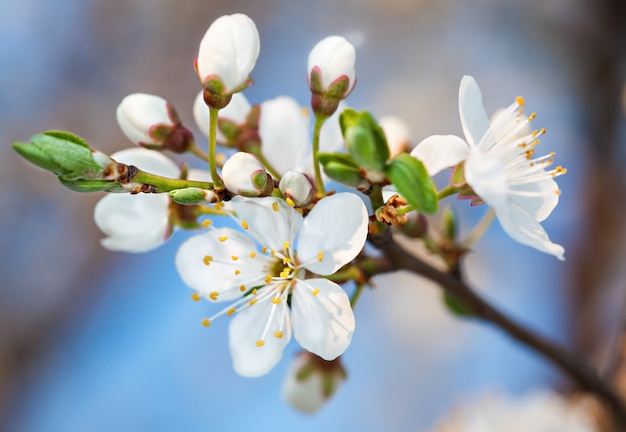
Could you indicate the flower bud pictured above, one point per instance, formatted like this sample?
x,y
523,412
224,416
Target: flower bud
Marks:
x,y
228,52
298,187
244,174
150,121
331,74
311,381
397,134
230,118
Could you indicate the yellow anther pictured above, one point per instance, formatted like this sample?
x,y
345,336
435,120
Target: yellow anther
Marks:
x,y
214,295
290,202
254,291
315,292
558,192
285,272
529,153
244,224
220,158
535,133
275,206
268,279
264,249
320,256
252,254
286,261
196,297
234,257
206,223
207,259
206,322
219,205
276,300
520,100
242,288
231,311
552,154
260,343
532,116
237,271
542,131
272,252
286,245
278,334
253,301
222,238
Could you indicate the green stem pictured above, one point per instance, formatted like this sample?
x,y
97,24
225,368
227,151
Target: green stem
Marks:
x,y
405,209
268,166
319,121
356,295
195,150
166,184
479,229
213,114
446,192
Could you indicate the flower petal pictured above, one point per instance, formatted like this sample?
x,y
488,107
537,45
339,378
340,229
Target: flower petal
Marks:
x,y
521,226
132,223
487,176
236,112
336,228
474,119
270,227
537,198
147,160
247,328
438,152
220,272
322,323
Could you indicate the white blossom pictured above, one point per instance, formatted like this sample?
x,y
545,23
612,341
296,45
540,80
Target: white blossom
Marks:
x,y
235,112
139,115
332,58
244,174
227,265
298,187
397,133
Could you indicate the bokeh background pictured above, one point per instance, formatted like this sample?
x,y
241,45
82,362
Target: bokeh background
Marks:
x,y
93,341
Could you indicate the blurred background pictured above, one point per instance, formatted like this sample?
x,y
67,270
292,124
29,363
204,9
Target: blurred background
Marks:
x,y
94,340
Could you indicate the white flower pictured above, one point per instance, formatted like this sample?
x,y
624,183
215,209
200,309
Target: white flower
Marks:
x,y
141,222
311,381
244,174
228,52
136,223
224,265
235,112
397,133
297,186
331,59
537,412
500,166
144,118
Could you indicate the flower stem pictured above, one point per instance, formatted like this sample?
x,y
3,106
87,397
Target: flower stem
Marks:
x,y
268,166
213,114
319,122
356,294
166,184
479,229
446,192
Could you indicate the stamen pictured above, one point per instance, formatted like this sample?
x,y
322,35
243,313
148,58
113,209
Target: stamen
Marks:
x,y
276,300
214,295
234,258
237,271
558,192
286,261
206,223
222,238
206,322
278,334
264,249
272,252
286,245
285,272
231,311
315,292
320,256
290,202
253,301
520,100
268,278
254,291
260,342
242,288
532,116
196,296
219,205
275,206
207,259
252,254
244,224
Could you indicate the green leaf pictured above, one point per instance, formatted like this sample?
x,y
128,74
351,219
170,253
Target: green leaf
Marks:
x,y
187,196
341,158
91,185
342,168
365,140
411,179
456,307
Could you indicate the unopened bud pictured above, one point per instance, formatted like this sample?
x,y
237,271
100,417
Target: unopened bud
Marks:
x,y
311,381
230,118
244,174
192,196
298,187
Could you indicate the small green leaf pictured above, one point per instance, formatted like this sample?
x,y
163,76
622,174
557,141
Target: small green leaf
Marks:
x,y
411,179
365,140
70,153
456,307
342,168
449,224
341,158
91,185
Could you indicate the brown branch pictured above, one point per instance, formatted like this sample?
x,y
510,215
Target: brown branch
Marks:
x,y
568,361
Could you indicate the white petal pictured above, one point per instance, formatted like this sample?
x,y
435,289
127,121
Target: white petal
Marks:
x,y
521,226
236,112
220,275
487,176
323,323
474,119
132,223
336,227
438,152
247,328
543,199
147,160
335,57
397,134
199,175
239,173
284,131
271,228
138,113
